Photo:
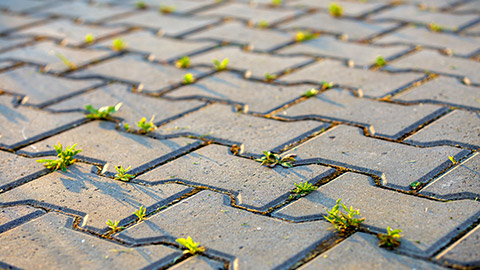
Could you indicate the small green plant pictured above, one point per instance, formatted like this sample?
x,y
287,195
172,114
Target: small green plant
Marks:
x,y
336,10
103,112
188,78
414,185
270,77
380,62
263,24
221,65
183,62
122,174
113,225
89,38
270,159
140,213
140,5
146,126
344,222
166,9
276,3
65,158
310,93
453,160
326,85
390,240
304,188
304,36
65,61
119,45
192,247
435,27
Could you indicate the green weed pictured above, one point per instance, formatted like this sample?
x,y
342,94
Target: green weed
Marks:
x,y
336,10
113,225
65,158
304,188
89,38
103,112
344,222
221,65
270,159
140,213
380,62
66,62
304,36
435,27
188,78
183,62
390,240
192,247
166,9
270,77
140,5
122,174
453,160
119,45
310,93
146,126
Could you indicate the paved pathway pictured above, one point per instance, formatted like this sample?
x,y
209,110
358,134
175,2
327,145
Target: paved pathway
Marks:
x,y
392,128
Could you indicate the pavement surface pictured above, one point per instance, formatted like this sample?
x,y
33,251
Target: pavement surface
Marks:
x,y
392,128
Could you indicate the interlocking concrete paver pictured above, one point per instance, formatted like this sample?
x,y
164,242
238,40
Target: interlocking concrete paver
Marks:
x,y
257,64
80,191
162,49
473,30
349,8
254,14
353,29
257,134
69,32
24,5
9,22
427,225
21,124
420,36
458,127
397,164
179,6
7,43
364,252
330,47
468,7
340,105
256,241
414,15
137,70
84,11
463,181
15,168
95,139
41,89
254,186
466,251
167,24
237,32
259,97
9,215
47,53
434,62
134,106
373,83
198,262
443,90
24,247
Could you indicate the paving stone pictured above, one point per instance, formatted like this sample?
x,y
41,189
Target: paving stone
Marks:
x,y
257,242
373,83
432,4
456,128
258,134
41,89
437,63
8,43
17,214
326,46
24,247
443,90
229,86
340,105
254,14
95,139
463,181
24,124
257,64
414,15
198,262
461,45
10,22
349,8
134,106
367,255
466,251
254,186
237,32
135,69
427,225
162,49
397,164
180,6
354,29
473,30
84,11
167,24
95,198
69,32
468,7
45,53
15,168
24,5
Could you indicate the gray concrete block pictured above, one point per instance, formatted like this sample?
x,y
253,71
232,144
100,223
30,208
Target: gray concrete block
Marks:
x,y
465,252
349,8
17,214
15,169
198,263
9,43
25,5
10,22
84,11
